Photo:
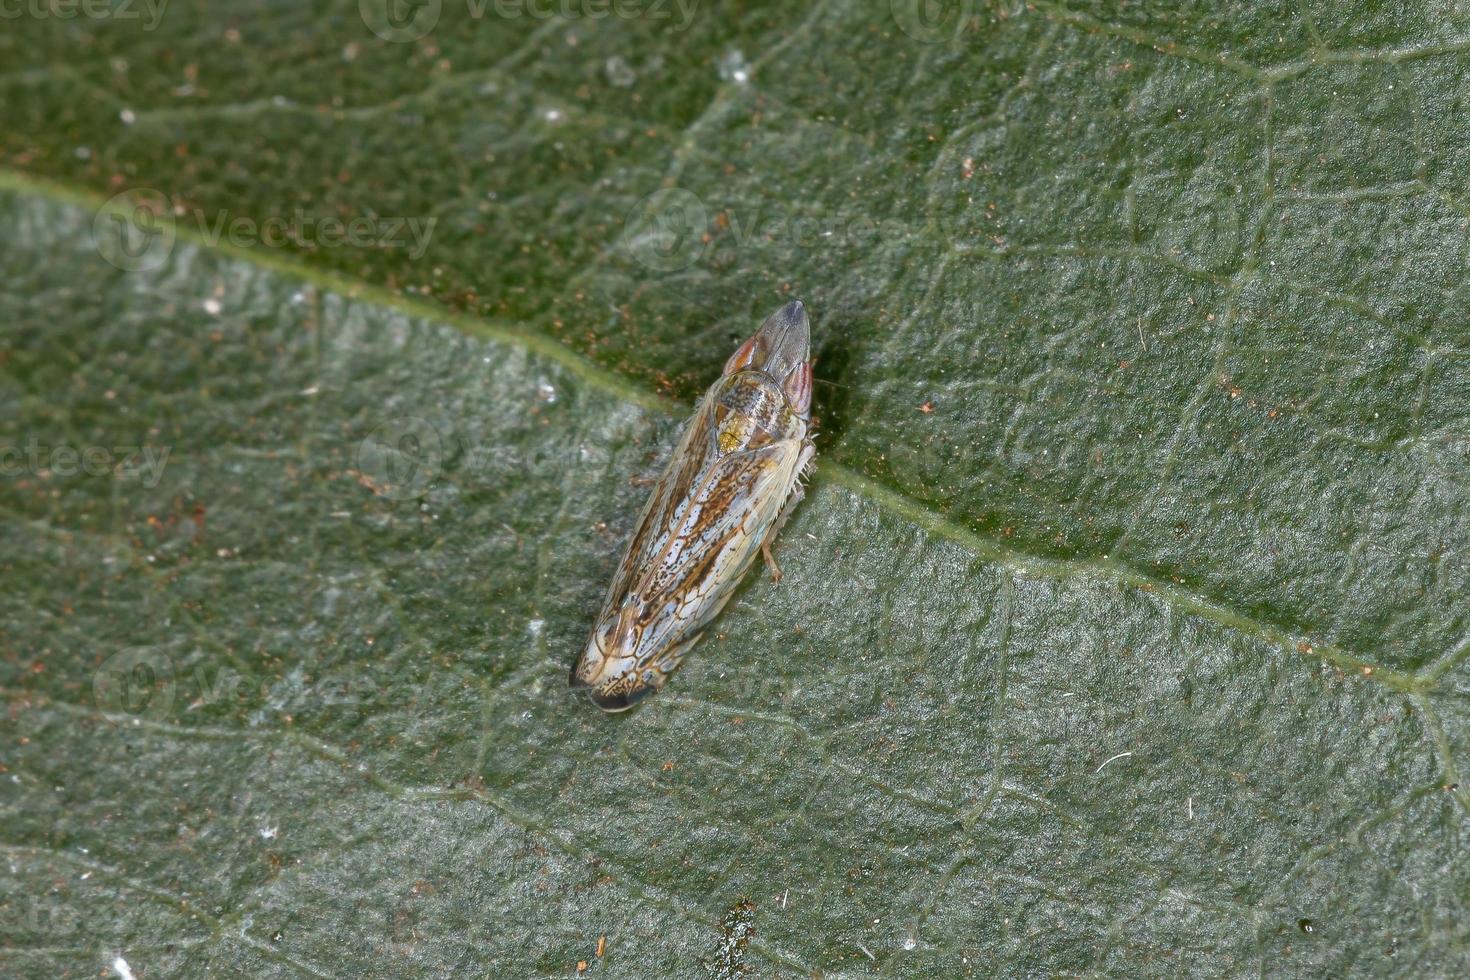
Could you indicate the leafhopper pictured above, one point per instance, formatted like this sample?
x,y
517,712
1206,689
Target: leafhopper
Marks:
x,y
729,486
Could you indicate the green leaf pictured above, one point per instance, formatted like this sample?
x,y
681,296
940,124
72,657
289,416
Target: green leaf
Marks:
x,y
1123,628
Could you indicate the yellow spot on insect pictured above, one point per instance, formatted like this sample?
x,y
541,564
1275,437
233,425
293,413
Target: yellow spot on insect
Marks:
x,y
729,440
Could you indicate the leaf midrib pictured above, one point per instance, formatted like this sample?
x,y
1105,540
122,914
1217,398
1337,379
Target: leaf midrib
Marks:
x,y
890,499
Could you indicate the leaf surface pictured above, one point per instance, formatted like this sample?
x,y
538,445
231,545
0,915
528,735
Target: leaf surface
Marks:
x,y
1123,627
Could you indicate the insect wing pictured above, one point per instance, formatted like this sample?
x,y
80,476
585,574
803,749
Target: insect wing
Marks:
x,y
675,484
715,539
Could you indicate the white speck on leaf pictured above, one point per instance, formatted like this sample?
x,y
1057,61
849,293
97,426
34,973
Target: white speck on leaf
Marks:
x,y
734,68
122,968
619,72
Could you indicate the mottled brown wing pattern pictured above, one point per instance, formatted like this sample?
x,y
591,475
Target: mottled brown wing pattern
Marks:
x,y
682,472
721,497
713,543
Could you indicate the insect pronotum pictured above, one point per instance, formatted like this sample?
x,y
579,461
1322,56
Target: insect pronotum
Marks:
x,y
730,485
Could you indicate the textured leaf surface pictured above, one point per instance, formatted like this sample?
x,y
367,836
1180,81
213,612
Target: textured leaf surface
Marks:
x,y
1123,628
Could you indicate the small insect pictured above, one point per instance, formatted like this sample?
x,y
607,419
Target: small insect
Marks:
x,y
732,482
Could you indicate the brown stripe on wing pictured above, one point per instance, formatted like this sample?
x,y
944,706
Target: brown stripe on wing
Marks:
x,y
652,537
693,576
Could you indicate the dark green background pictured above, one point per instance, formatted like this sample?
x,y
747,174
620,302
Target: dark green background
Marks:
x,y
1144,377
